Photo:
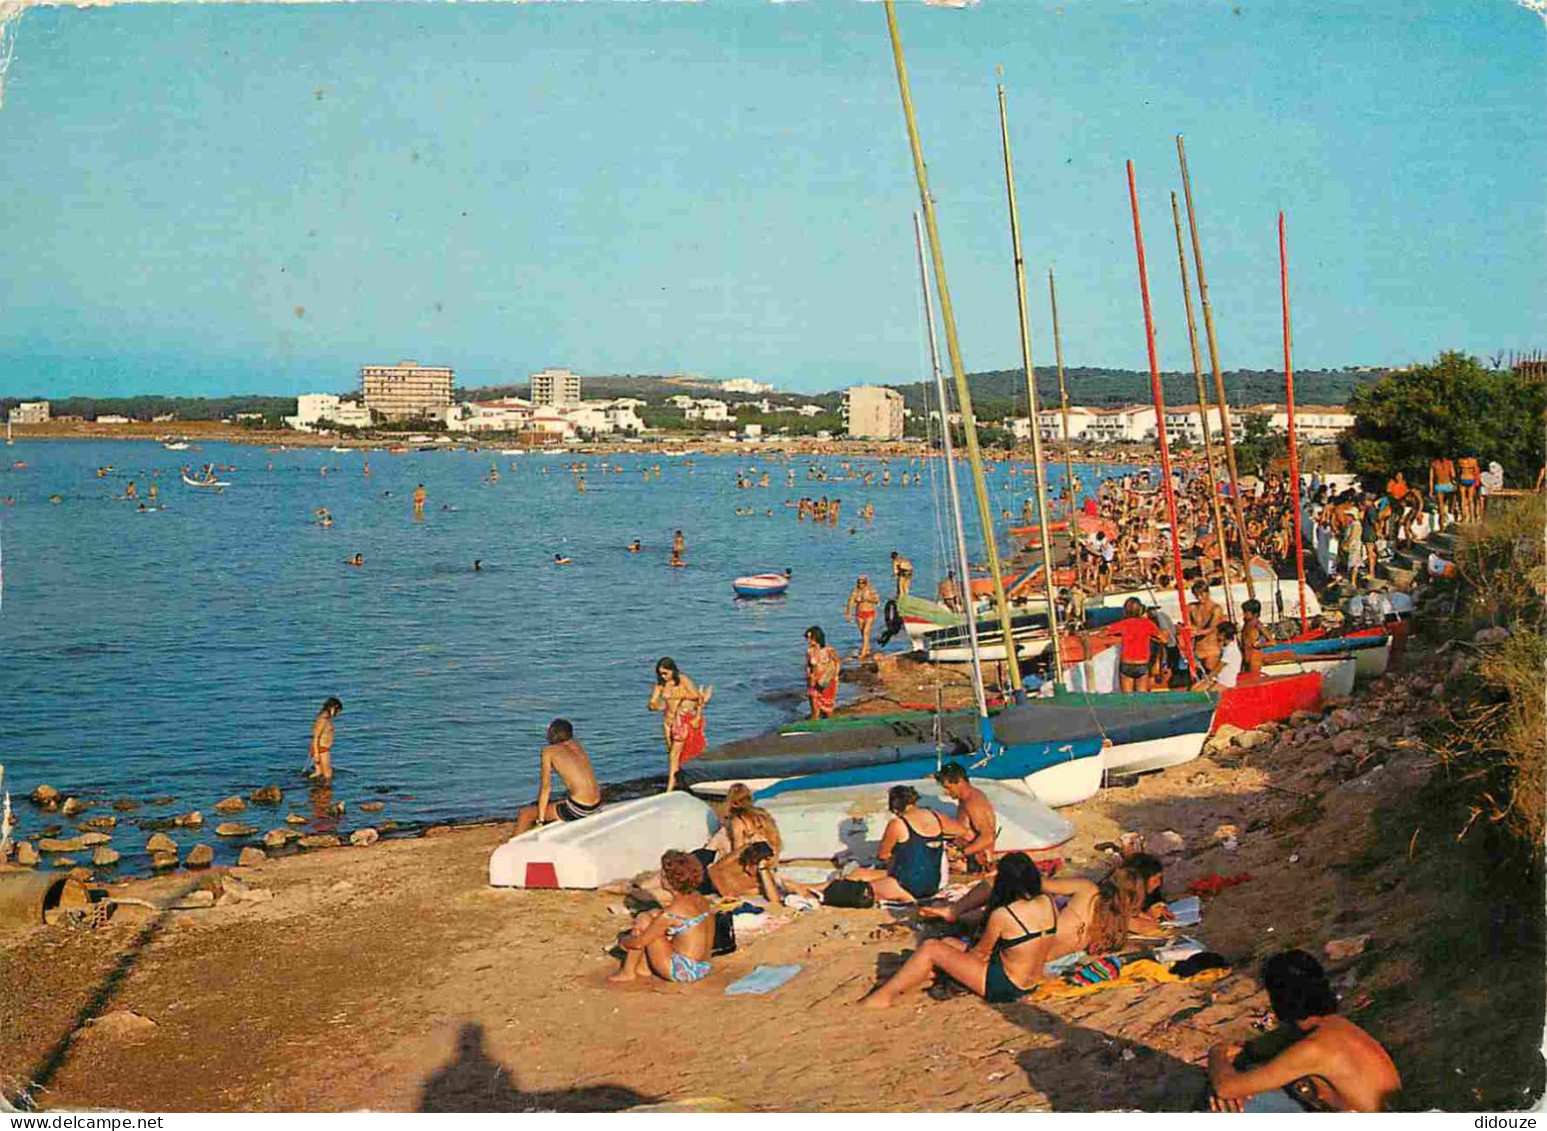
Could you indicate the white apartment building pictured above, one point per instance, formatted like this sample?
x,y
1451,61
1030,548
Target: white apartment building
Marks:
x,y
1184,425
745,385
510,414
547,424
30,412
602,418
1050,422
708,410
681,401
1314,423
406,389
314,410
873,412
1017,426
810,410
555,386
1122,425
113,418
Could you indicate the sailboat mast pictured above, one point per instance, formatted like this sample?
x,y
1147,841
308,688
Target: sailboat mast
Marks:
x,y
953,351
1219,380
1183,628
1203,414
1289,393
1063,396
1044,516
965,574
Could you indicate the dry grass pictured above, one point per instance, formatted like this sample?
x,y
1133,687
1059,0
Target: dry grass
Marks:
x,y
1498,747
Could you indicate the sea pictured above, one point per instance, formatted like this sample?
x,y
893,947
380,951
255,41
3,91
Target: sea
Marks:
x,y
176,656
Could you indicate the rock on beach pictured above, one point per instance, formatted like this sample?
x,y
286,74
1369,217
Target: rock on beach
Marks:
x,y
160,842
200,856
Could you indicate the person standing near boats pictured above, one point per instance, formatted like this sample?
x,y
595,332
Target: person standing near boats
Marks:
x,y
822,669
1205,617
681,704
864,600
565,756
902,570
322,740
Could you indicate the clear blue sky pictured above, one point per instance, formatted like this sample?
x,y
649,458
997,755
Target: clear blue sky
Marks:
x,y
206,198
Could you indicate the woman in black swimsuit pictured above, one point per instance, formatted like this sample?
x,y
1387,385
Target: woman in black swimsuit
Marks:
x,y
1002,967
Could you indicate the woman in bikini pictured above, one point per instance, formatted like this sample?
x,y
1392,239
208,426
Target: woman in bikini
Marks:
x,y
1006,962
672,944
681,704
822,669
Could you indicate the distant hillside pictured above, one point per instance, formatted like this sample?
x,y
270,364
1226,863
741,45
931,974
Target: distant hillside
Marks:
x,y
1003,392
995,394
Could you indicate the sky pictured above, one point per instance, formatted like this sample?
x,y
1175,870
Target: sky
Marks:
x,y
204,199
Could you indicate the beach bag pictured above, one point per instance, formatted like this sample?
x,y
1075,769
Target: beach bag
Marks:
x,y
724,934
849,893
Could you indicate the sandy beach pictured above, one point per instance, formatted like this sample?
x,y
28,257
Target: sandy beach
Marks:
x,y
395,978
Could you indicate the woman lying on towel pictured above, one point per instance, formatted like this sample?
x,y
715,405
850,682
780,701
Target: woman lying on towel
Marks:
x,y
674,943
1025,929
1137,880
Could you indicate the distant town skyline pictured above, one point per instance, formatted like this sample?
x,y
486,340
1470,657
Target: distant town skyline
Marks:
x,y
212,200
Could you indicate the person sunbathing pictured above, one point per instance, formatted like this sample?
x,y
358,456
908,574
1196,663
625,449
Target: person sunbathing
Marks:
x,y
1138,880
673,943
1092,918
1328,1063
911,849
1006,962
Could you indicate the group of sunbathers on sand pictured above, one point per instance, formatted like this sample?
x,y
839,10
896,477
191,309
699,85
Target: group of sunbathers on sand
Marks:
x,y
1004,933
1016,920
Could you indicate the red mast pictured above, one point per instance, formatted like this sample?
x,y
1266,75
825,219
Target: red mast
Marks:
x,y
1289,393
1183,628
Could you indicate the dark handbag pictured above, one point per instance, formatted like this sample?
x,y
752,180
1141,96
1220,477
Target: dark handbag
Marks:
x,y
849,893
724,934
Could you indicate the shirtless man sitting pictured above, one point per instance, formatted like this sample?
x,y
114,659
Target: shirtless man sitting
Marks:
x,y
1324,1062
568,758
976,811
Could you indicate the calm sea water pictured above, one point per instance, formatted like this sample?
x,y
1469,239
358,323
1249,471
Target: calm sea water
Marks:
x,y
183,653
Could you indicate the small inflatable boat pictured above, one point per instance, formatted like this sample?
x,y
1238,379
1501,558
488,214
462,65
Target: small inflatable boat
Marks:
x,y
762,585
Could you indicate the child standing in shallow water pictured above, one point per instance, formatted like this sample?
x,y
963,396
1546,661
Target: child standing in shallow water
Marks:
x,y
672,944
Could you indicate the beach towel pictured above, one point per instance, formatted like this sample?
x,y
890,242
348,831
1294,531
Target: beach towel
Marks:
x,y
763,980
1113,970
1213,883
1186,912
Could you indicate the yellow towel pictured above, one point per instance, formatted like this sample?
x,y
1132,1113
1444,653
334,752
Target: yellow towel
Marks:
x,y
1140,970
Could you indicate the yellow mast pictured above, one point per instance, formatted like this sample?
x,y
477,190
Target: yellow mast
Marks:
x,y
1045,518
1203,413
1219,379
953,351
1063,396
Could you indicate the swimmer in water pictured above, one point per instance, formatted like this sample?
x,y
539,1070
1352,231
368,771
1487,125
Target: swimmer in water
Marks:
x,y
477,565
357,560
560,559
635,546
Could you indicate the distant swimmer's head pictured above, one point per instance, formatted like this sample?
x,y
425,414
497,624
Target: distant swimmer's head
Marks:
x,y
894,555
477,565
1297,987
332,706
560,730
816,636
666,668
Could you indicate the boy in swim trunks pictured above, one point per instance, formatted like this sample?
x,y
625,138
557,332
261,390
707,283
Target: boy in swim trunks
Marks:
x,y
322,740
1467,474
672,944
568,758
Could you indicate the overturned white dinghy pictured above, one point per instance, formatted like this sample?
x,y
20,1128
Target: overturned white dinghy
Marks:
x,y
616,844
817,824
